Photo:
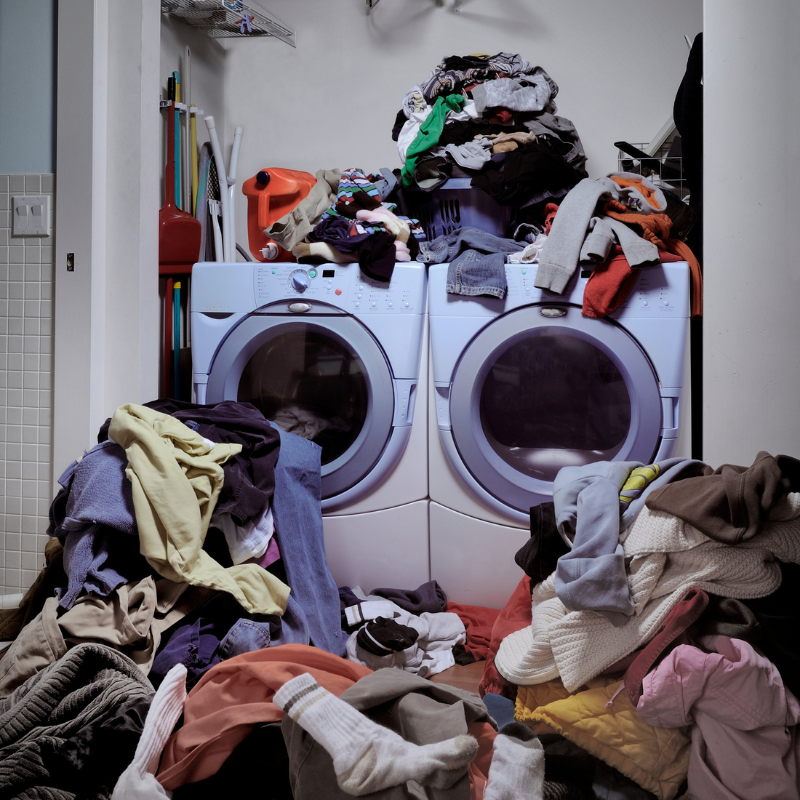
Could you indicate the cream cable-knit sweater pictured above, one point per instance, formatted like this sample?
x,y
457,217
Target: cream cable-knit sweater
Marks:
x,y
665,558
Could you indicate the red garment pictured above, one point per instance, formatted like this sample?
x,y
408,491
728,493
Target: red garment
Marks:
x,y
234,696
550,210
515,616
478,620
611,282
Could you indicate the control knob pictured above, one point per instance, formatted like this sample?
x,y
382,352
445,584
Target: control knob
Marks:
x,y
299,281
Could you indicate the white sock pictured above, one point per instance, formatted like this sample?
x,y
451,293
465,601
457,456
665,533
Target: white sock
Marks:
x,y
517,769
366,756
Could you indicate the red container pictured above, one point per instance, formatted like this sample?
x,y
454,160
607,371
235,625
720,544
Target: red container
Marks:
x,y
271,194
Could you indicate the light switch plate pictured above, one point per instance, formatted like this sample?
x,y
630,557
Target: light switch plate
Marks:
x,y
30,215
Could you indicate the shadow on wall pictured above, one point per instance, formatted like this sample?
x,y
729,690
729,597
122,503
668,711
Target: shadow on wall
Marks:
x,y
390,18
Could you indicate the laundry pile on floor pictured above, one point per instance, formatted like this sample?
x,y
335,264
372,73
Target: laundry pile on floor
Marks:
x,y
656,627
187,553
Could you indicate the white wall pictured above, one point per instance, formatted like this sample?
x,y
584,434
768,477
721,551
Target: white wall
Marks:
x,y
27,86
332,101
752,279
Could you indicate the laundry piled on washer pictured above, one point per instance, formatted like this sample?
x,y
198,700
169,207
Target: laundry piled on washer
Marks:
x,y
345,220
656,625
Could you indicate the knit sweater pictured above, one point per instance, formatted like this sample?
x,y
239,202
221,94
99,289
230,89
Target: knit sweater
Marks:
x,y
667,558
53,705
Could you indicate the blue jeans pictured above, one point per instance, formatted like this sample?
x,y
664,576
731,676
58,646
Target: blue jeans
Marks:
x,y
312,613
476,260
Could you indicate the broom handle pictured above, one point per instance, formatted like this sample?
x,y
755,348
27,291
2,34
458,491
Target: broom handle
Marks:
x,y
169,172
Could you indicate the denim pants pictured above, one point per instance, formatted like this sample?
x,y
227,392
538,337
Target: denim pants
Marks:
x,y
476,260
312,613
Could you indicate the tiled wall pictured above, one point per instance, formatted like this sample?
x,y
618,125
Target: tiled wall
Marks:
x,y
26,395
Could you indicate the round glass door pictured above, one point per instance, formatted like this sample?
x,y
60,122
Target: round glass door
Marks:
x,y
534,393
310,384
325,379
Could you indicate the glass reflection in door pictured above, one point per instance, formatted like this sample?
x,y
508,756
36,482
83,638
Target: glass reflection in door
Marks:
x,y
553,401
310,384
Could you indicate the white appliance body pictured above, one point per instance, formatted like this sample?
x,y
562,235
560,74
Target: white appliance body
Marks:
x,y
338,356
523,386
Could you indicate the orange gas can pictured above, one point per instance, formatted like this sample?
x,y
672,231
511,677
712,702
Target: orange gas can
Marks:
x,y
271,194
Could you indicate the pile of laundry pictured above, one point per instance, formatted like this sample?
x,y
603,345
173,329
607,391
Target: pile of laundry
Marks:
x,y
614,227
492,118
656,627
346,218
186,609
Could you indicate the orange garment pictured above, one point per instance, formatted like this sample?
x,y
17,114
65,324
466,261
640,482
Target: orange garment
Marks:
x,y
234,696
675,246
516,614
636,183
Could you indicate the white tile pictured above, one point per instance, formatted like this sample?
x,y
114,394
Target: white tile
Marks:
x,y
13,541
16,326
4,237
32,270
14,379
16,254
16,272
29,507
33,256
4,183
45,399
13,508
30,398
31,362
15,361
13,558
15,308
30,470
46,327
13,469
33,308
43,489
30,343
29,560
16,183
45,434
16,290
33,183
45,380
29,453
27,577
48,182
14,416
30,434
13,433
43,504
33,291
4,255
30,380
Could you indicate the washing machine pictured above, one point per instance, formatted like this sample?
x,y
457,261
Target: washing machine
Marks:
x,y
524,386
334,356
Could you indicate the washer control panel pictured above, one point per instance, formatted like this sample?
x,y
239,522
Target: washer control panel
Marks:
x,y
341,285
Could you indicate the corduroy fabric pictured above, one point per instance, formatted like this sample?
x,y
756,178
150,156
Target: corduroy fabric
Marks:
x,y
53,705
667,558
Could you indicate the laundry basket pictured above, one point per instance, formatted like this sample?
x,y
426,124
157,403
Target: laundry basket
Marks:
x,y
455,204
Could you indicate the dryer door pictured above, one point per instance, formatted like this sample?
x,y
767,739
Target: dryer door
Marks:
x,y
322,377
544,387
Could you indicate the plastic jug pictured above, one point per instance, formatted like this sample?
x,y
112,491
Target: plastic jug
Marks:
x,y
271,194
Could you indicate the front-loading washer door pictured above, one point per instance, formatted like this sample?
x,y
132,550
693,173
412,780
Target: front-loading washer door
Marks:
x,y
544,387
322,377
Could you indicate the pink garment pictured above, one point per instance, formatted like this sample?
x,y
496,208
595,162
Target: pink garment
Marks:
x,y
744,735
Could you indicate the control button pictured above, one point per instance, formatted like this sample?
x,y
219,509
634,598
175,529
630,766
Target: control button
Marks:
x,y
391,304
645,303
373,304
274,272
666,302
299,281
359,295
338,292
299,308
524,272
312,273
407,305
358,304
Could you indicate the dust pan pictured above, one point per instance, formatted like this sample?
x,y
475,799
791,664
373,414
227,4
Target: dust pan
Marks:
x,y
179,232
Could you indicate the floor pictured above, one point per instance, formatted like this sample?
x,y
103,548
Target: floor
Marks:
x,y
467,677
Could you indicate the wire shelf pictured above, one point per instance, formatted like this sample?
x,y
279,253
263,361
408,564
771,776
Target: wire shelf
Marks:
x,y
664,166
223,20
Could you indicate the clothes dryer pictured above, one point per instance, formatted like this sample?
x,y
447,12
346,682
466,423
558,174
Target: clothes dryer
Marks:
x,y
334,356
524,386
